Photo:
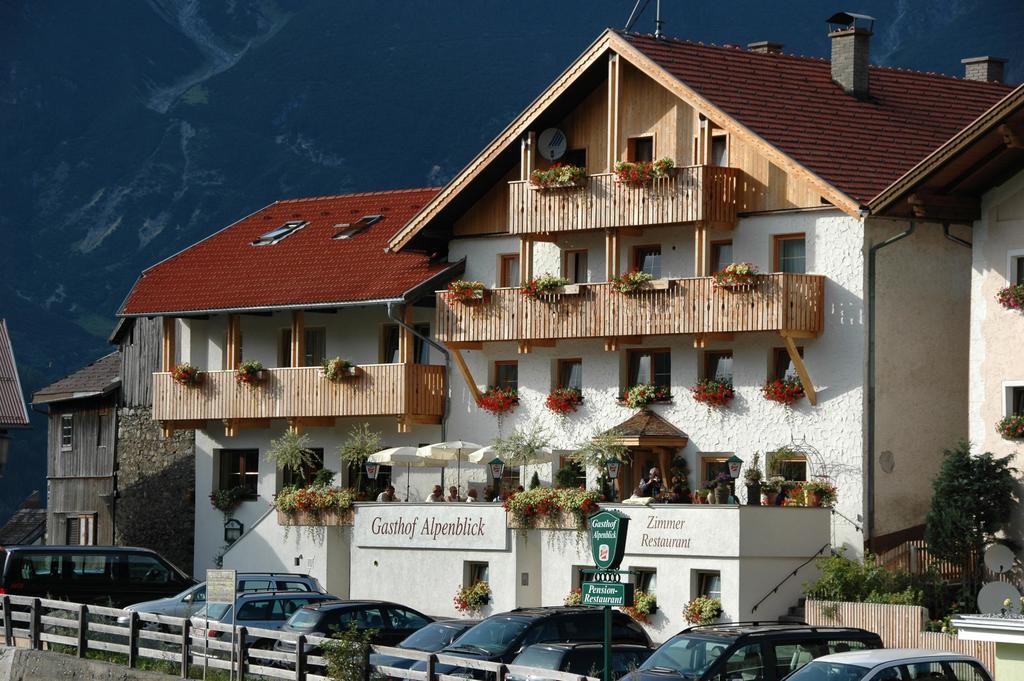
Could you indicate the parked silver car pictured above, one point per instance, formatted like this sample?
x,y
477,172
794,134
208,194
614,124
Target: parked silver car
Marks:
x,y
892,664
258,610
191,600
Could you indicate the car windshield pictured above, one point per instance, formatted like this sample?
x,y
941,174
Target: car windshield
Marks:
x,y
303,618
214,611
493,636
688,655
432,637
829,671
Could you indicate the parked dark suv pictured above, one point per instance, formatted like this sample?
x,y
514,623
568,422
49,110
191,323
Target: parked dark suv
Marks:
x,y
500,638
747,651
99,575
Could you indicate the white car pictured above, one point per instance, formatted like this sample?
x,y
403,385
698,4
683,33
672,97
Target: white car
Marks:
x,y
893,664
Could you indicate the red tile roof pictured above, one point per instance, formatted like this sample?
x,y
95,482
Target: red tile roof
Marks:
x,y
225,272
859,147
12,402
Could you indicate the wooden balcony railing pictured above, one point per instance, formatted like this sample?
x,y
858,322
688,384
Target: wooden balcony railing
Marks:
x,y
697,194
378,390
777,302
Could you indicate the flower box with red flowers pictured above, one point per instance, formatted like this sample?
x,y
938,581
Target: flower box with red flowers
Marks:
x,y
1012,297
467,291
558,176
713,393
1011,427
498,401
738,276
564,401
783,390
547,287
643,173
639,396
249,373
187,375
636,280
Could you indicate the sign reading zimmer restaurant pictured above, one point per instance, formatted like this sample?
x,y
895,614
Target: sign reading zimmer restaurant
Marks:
x,y
468,527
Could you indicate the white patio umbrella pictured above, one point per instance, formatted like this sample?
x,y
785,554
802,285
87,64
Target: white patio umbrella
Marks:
x,y
396,456
485,454
449,450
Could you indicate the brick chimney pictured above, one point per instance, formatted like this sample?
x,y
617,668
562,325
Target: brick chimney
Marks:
x,y
988,69
765,47
851,38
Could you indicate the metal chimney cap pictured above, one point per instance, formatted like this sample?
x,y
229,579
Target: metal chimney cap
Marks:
x,y
983,60
850,20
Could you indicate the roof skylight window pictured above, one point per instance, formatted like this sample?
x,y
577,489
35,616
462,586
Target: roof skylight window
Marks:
x,y
276,235
347,231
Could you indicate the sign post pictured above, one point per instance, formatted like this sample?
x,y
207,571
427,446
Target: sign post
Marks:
x,y
220,588
607,545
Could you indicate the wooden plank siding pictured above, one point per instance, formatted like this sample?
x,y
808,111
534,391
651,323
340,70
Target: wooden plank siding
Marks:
x,y
778,302
92,449
140,357
296,392
694,194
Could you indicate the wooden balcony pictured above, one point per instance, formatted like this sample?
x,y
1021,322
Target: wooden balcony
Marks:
x,y
409,391
792,303
694,194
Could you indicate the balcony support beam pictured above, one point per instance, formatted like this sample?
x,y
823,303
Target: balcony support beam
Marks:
x,y
298,347
406,343
234,342
525,261
167,343
614,343
460,362
801,369
700,250
527,346
611,254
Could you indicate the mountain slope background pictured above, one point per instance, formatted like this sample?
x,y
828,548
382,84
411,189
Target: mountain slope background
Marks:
x,y
131,128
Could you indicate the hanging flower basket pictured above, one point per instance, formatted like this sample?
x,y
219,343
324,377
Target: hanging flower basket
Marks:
x,y
470,599
783,390
558,176
545,287
564,401
640,396
713,393
466,291
1012,297
703,610
338,369
739,276
575,597
1011,427
643,173
498,401
644,605
631,282
249,373
187,375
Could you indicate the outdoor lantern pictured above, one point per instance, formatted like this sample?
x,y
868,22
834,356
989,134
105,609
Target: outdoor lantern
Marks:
x,y
372,469
232,530
735,463
497,468
613,465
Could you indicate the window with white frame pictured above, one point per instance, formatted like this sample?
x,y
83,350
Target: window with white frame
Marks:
x,y
646,580
67,432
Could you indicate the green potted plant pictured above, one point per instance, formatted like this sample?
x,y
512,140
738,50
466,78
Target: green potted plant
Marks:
x,y
357,448
465,291
771,487
632,281
819,493
187,375
471,599
558,176
575,597
723,488
250,373
338,369
703,610
644,605
227,500
291,452
738,276
639,396
752,478
544,287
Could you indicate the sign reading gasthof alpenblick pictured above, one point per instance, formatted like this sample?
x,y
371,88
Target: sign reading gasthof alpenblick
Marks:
x,y
607,538
468,527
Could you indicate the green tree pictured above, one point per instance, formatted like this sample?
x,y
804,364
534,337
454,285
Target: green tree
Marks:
x,y
291,452
523,447
973,499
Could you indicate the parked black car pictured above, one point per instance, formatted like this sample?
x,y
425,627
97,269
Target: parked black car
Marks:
x,y
499,638
391,622
101,575
766,652
585,659
429,639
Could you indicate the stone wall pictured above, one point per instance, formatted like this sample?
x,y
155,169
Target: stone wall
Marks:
x,y
156,484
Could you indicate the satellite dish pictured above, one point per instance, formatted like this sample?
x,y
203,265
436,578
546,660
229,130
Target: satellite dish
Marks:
x,y
551,144
998,558
994,594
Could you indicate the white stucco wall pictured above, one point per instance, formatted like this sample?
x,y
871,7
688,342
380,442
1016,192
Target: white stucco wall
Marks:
x,y
835,360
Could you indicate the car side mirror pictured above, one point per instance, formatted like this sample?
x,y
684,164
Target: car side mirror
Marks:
x,y
187,599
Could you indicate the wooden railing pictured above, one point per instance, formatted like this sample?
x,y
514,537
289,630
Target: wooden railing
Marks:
x,y
377,390
704,194
182,647
777,302
916,558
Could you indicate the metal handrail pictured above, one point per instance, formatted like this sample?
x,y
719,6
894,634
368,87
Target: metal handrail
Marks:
x,y
792,574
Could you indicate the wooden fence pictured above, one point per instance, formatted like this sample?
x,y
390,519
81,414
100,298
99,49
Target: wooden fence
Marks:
x,y
900,626
777,302
693,194
130,637
914,557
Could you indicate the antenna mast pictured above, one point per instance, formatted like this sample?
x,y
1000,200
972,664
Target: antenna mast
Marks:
x,y
657,19
638,10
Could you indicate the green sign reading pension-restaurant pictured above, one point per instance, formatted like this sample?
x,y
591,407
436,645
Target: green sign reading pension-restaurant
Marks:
x,y
609,594
608,539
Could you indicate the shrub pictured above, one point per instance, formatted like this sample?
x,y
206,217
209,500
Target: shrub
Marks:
x,y
314,499
535,480
541,503
347,656
575,597
227,500
291,452
738,274
337,368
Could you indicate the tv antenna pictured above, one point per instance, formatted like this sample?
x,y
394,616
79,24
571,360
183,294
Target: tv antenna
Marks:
x,y
639,10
